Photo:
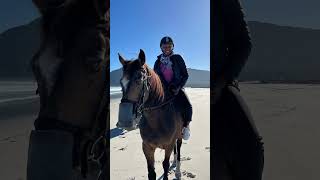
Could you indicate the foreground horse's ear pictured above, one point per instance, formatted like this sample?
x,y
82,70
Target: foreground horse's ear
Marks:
x,y
121,59
142,57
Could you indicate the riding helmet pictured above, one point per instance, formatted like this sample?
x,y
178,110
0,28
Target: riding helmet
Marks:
x,y
166,40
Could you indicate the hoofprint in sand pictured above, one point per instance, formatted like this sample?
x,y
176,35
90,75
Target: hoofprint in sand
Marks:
x,y
128,161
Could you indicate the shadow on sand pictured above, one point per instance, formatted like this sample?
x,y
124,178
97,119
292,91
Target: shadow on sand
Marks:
x,y
170,169
115,132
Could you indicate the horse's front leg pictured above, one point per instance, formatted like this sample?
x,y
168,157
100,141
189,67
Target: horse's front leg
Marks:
x,y
148,151
166,161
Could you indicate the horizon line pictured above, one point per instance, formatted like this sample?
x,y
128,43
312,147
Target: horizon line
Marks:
x,y
187,68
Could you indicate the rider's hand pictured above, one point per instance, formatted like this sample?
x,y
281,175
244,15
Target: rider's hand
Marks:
x,y
174,89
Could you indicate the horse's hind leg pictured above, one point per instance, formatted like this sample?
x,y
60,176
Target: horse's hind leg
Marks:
x,y
178,163
166,161
148,151
174,155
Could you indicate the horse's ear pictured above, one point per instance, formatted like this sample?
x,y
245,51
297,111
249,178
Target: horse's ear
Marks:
x,y
142,57
121,59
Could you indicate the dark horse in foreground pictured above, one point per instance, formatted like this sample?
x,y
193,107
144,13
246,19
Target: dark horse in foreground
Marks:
x,y
71,68
160,120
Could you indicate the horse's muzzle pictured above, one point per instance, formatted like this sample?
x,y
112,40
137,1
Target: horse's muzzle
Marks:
x,y
127,118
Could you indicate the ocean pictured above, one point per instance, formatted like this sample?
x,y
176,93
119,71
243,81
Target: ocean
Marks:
x,y
115,90
20,90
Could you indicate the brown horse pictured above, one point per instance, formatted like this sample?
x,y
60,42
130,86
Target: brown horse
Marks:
x,y
145,97
72,72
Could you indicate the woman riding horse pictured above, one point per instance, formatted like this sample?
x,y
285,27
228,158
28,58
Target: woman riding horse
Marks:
x,y
173,73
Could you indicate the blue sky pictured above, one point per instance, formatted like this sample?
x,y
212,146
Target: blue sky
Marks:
x,y
140,24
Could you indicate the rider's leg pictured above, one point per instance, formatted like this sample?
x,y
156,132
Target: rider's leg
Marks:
x,y
188,108
235,134
248,150
183,98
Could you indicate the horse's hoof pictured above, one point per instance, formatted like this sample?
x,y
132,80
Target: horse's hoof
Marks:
x,y
178,175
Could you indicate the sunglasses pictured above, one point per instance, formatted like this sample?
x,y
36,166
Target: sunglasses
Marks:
x,y
166,46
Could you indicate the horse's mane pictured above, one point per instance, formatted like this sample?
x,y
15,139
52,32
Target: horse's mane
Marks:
x,y
156,87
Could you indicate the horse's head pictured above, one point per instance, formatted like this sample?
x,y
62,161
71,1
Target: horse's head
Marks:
x,y
134,74
73,57
135,90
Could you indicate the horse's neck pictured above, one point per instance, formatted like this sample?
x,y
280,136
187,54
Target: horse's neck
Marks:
x,y
156,93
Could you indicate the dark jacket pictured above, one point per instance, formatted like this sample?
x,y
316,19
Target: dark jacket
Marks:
x,y
232,42
180,73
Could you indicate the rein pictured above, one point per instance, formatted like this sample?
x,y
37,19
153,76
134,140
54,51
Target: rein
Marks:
x,y
151,108
158,106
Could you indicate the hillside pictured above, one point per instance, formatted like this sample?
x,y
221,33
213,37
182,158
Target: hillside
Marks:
x,y
197,78
279,53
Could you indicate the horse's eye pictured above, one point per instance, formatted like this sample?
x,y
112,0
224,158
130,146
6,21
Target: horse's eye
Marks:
x,y
124,67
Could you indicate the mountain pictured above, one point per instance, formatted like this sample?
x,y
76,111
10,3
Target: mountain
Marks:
x,y
282,53
197,78
295,13
17,46
16,12
279,53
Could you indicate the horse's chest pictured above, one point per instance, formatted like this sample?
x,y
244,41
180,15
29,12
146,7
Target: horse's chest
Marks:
x,y
158,128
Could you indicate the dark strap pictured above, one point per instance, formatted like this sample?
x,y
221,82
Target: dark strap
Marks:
x,y
46,123
158,106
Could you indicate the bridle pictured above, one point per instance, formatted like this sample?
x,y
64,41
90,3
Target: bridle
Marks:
x,y
138,105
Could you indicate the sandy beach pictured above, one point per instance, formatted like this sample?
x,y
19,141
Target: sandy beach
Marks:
x,y
18,110
128,161
288,119
286,115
